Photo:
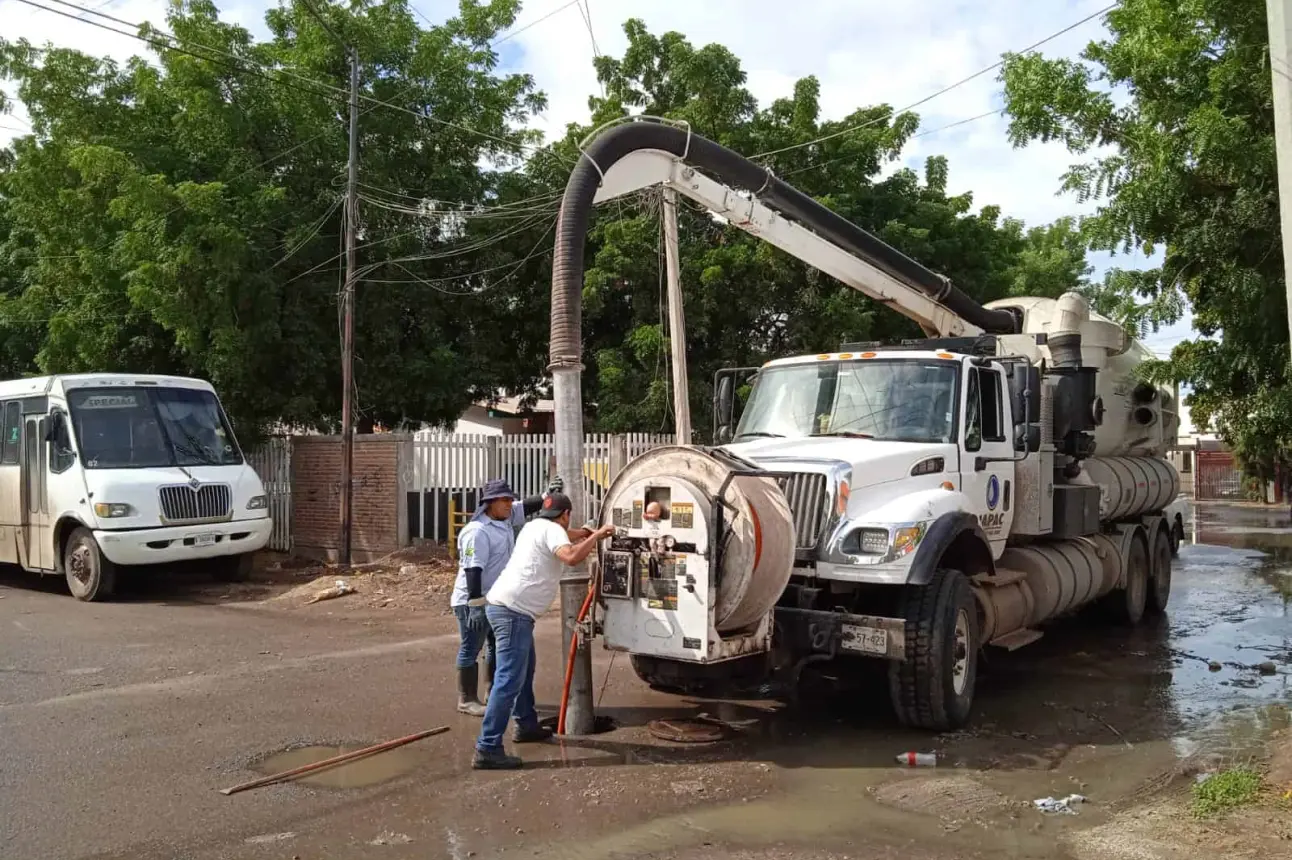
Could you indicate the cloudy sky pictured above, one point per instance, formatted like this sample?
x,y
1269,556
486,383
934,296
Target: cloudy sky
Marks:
x,y
862,51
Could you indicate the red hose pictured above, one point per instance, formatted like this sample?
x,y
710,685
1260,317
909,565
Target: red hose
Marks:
x,y
569,660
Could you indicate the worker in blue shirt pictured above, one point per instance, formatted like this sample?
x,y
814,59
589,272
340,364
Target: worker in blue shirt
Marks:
x,y
484,546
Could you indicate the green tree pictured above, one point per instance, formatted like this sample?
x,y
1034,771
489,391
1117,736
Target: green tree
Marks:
x,y
1174,114
185,216
746,302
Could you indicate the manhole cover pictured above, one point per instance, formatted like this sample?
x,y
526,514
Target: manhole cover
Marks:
x,y
686,731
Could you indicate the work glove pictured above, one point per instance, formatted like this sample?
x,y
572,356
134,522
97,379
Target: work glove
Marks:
x,y
556,485
477,621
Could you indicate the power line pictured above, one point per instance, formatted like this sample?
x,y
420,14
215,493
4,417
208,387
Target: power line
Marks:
x,y
514,33
336,93
944,90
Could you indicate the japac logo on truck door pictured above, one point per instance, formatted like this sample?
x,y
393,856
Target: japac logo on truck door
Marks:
x,y
993,521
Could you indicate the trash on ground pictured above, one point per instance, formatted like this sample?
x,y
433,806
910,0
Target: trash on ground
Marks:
x,y
389,838
341,589
918,759
1060,806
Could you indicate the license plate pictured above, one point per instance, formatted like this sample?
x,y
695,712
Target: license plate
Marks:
x,y
867,640
204,540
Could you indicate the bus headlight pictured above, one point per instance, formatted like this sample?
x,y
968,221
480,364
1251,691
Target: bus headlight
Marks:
x,y
258,503
113,510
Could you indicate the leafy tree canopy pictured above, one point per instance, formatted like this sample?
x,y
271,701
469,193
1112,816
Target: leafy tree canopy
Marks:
x,y
1174,115
182,213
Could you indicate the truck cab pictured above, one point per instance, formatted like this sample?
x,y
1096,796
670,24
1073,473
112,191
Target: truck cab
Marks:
x,y
882,450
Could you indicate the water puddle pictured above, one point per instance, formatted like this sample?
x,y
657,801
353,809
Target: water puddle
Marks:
x,y
369,770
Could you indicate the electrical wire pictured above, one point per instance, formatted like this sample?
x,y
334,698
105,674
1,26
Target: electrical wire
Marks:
x,y
514,33
944,90
432,283
925,133
335,93
313,231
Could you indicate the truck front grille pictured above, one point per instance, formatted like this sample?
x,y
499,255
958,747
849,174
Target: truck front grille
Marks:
x,y
809,501
183,503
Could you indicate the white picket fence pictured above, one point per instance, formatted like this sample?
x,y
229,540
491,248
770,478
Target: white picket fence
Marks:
x,y
450,468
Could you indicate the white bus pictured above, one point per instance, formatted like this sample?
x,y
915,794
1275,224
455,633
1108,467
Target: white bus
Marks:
x,y
106,470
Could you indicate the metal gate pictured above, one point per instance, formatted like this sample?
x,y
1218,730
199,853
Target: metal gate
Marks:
x,y
1217,477
273,463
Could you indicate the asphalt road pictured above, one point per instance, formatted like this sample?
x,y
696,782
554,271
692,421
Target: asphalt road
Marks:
x,y
119,722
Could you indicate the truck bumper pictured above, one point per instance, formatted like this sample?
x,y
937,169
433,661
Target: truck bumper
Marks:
x,y
175,544
811,631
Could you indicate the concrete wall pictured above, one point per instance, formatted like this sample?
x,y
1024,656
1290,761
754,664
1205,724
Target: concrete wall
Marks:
x,y
382,466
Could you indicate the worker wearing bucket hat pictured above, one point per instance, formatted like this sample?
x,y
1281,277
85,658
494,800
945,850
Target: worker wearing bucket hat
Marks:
x,y
484,546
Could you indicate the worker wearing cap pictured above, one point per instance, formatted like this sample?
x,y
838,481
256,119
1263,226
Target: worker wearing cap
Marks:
x,y
484,545
525,590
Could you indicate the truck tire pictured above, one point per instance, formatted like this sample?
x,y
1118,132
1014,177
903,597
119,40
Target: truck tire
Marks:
x,y
933,687
1126,605
233,568
90,576
1159,585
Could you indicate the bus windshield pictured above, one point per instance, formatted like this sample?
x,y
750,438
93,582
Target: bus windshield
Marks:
x,y
909,400
146,426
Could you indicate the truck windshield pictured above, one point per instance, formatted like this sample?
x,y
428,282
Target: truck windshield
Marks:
x,y
150,426
911,400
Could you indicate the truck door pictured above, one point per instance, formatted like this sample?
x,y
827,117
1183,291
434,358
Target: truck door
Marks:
x,y
36,535
987,467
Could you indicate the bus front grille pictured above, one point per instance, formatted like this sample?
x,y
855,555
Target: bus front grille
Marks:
x,y
184,503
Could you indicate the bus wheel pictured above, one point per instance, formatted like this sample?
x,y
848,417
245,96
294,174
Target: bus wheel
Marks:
x,y
233,568
90,576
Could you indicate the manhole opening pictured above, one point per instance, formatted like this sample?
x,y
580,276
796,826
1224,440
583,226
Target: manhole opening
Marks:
x,y
600,725
687,731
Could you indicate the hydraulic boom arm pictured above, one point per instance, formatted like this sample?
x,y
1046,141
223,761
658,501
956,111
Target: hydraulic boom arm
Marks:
x,y
646,167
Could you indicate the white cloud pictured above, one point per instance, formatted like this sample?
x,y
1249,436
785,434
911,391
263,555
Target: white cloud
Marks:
x,y
862,51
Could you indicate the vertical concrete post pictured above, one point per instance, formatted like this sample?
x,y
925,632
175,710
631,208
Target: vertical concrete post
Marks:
x,y
1279,16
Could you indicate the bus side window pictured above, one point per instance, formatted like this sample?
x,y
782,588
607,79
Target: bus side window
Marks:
x,y
11,445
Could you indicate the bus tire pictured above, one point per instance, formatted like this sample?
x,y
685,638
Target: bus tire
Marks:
x,y
233,568
90,575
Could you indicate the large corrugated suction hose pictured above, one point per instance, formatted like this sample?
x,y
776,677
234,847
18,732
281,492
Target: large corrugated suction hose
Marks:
x,y
735,170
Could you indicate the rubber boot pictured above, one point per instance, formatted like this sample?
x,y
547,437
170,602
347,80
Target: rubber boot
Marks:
x,y
495,761
468,681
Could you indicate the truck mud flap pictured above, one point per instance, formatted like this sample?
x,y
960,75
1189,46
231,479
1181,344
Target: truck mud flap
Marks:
x,y
812,631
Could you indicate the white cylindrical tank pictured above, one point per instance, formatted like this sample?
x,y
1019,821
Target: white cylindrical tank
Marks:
x,y
757,558
1139,419
1130,485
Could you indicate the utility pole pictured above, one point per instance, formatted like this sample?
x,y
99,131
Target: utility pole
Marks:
x,y
1279,15
676,321
347,326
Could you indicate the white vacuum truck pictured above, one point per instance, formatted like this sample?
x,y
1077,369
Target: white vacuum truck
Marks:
x,y
912,503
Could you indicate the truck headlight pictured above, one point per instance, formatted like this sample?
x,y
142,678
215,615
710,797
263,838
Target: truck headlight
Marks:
x,y
257,503
898,541
113,510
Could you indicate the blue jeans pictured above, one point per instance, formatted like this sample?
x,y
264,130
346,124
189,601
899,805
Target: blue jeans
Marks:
x,y
513,680
472,642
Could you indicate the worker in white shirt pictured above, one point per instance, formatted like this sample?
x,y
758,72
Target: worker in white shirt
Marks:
x,y
484,545
525,590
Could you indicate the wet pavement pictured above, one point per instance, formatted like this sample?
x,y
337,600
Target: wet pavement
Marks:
x,y
118,722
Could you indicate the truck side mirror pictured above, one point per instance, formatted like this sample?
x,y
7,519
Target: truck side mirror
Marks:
x,y
723,405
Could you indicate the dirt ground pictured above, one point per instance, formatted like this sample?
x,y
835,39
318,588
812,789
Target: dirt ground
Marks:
x,y
186,685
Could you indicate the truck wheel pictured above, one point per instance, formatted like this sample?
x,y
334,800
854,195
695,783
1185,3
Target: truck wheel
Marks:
x,y
90,576
1126,605
233,568
933,687
715,680
1159,586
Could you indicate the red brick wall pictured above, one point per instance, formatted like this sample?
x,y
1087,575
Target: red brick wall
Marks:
x,y
316,496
